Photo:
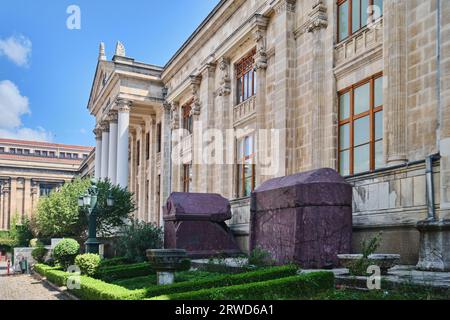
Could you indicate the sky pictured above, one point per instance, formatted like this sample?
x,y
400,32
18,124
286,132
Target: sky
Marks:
x,y
48,57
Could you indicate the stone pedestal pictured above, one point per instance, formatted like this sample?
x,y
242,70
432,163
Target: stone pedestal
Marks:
x,y
196,222
167,262
165,278
434,245
304,218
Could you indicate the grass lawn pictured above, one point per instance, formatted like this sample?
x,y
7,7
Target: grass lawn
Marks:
x,y
405,293
148,281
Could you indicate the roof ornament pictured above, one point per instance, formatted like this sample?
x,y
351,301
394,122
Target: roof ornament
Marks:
x,y
120,49
101,53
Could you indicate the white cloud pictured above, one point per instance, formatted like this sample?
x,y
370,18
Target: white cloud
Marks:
x,y
17,49
12,107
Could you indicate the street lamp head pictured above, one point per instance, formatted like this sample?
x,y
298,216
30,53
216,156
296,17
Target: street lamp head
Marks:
x,y
110,201
81,201
87,200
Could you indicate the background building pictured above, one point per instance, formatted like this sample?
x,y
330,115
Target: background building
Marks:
x,y
29,170
358,86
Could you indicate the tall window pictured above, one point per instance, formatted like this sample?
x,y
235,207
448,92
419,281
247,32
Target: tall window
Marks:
x,y
147,145
246,77
245,166
353,15
361,127
45,189
187,177
187,117
138,153
158,137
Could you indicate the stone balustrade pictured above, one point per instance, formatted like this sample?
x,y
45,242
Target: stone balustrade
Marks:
x,y
361,42
244,110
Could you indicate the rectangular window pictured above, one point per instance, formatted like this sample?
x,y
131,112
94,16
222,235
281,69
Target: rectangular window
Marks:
x,y
138,153
361,127
147,145
158,137
37,152
245,169
353,15
52,154
187,118
45,153
12,150
187,177
246,77
2,149
45,189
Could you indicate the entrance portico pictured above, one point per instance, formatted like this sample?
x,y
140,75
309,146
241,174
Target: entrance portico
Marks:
x,y
127,101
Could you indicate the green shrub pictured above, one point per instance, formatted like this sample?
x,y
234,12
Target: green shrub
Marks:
x,y
260,258
368,247
43,268
224,280
124,271
296,287
136,238
119,261
39,254
88,263
65,252
57,277
94,289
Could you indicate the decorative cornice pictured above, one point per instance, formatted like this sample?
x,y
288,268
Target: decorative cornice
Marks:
x,y
317,17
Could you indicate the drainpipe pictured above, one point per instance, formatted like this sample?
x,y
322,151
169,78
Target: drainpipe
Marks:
x,y
438,71
431,203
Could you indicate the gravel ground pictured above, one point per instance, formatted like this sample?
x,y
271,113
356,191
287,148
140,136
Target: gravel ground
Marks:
x,y
25,287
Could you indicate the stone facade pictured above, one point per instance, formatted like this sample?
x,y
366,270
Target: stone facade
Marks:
x,y
30,170
300,67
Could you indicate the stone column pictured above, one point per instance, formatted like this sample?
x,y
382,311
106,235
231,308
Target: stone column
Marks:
x,y
166,161
6,209
224,91
316,27
12,200
395,80
122,142
284,78
98,153
105,149
112,159
261,62
1,206
199,125
27,196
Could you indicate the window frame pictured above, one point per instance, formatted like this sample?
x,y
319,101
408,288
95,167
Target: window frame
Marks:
x,y
241,178
352,118
350,18
243,69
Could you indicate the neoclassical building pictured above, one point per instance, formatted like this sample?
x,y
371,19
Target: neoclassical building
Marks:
x,y
30,170
265,89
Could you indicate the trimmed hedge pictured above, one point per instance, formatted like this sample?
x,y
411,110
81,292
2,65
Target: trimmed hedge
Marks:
x,y
297,287
113,262
222,281
57,277
94,289
43,268
124,271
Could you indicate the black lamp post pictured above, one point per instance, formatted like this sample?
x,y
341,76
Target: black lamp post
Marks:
x,y
89,201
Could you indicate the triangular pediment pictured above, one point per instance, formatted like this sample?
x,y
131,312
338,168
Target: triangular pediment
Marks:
x,y
101,78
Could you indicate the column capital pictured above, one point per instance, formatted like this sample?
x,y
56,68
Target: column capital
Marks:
x,y
284,6
113,116
195,87
98,132
225,82
124,105
104,126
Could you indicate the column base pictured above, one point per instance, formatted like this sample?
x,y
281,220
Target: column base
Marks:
x,y
434,245
92,246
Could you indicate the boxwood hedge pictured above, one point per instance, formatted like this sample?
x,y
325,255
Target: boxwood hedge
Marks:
x,y
124,271
43,268
296,287
57,277
222,281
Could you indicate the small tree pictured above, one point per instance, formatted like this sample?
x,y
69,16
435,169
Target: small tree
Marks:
x,y
136,238
65,252
59,216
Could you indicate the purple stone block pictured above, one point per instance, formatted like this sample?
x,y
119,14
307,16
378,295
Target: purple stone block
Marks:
x,y
304,218
196,222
